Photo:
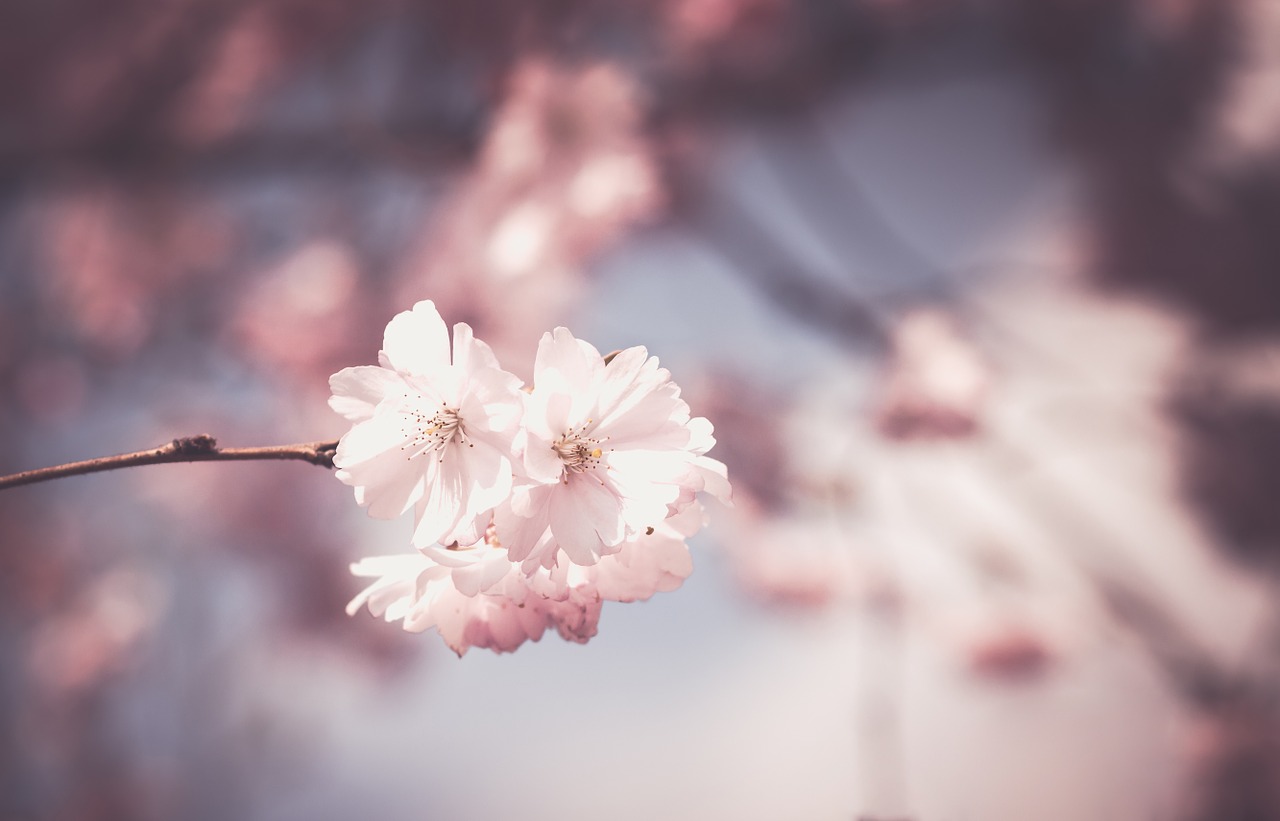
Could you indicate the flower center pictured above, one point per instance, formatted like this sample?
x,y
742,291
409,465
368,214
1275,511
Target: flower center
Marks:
x,y
577,451
432,434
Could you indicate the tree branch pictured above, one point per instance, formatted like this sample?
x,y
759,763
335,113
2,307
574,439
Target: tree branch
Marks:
x,y
199,448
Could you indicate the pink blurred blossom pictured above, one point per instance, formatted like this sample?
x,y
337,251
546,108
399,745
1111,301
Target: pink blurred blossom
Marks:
x,y
797,561
1246,123
112,260
563,171
937,382
244,57
749,29
315,285
71,651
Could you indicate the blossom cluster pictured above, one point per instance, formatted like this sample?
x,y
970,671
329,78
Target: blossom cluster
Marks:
x,y
531,505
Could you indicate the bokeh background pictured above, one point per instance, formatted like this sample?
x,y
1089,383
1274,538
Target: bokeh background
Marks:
x,y
981,295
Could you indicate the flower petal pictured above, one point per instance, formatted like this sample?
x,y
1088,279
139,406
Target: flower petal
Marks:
x,y
585,519
357,391
573,359
370,458
440,508
522,522
417,341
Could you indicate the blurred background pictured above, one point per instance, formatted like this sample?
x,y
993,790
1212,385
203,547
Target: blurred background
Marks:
x,y
981,296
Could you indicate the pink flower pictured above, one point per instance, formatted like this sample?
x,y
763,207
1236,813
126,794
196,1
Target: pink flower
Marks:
x,y
422,593
611,465
431,431
478,597
657,562
703,474
650,563
609,452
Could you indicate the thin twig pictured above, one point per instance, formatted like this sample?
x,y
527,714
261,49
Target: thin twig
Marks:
x,y
199,448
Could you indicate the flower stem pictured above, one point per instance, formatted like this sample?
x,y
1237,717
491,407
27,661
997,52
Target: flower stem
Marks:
x,y
199,448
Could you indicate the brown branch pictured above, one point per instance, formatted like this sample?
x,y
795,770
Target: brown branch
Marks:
x,y
200,448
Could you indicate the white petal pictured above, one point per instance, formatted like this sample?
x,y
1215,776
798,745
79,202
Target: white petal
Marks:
x,y
481,575
399,578
701,439
644,566
484,476
369,458
470,531
715,478
417,341
370,438
440,507
357,391
558,350
470,353
575,512
542,463
549,410
631,375
655,417
522,522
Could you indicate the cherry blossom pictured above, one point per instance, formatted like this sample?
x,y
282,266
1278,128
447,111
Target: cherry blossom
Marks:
x,y
656,562
478,597
610,451
599,463
431,432
420,592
